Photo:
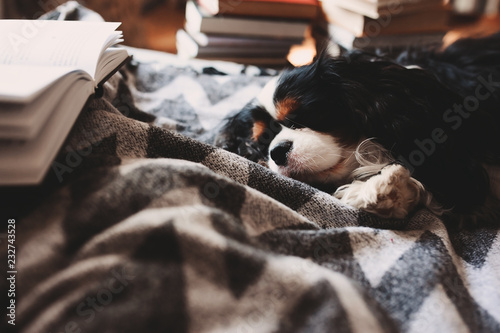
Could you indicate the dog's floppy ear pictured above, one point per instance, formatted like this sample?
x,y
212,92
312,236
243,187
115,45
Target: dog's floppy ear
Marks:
x,y
323,68
236,135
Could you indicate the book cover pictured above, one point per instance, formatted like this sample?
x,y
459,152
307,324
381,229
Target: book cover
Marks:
x,y
228,46
431,18
290,9
215,40
349,41
375,8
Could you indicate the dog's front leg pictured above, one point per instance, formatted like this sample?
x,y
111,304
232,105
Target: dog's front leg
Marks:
x,y
392,193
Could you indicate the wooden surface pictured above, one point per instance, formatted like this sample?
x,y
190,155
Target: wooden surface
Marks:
x,y
160,27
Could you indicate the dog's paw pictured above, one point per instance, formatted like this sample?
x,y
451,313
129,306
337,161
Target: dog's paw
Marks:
x,y
393,193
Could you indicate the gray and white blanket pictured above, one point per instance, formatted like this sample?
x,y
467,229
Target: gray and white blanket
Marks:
x,y
142,227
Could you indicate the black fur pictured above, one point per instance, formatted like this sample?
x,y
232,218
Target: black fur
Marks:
x,y
430,112
236,136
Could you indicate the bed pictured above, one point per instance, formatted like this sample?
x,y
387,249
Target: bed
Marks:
x,y
142,225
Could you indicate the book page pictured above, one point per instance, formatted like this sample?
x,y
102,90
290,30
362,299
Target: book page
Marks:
x,y
110,59
77,44
21,84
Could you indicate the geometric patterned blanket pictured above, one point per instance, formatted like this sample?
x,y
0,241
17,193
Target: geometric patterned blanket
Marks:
x,y
143,226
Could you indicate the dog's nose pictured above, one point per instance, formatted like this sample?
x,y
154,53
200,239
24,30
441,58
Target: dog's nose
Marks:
x,y
279,153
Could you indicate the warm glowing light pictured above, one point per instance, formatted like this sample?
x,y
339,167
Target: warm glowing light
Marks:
x,y
304,53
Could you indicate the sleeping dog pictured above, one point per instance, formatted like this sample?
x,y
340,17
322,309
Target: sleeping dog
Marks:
x,y
385,136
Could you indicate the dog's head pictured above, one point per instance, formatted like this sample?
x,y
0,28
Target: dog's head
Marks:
x,y
312,119
303,139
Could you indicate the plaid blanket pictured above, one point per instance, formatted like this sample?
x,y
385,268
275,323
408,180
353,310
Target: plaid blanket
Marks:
x,y
140,226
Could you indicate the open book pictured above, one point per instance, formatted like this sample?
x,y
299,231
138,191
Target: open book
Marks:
x,y
48,70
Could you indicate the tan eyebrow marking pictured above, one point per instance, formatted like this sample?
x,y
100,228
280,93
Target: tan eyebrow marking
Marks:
x,y
257,130
285,107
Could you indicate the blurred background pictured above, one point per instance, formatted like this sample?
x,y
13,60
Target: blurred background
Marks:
x,y
160,24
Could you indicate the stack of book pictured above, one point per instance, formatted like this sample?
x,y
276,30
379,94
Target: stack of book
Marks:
x,y
48,71
476,7
386,24
246,31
